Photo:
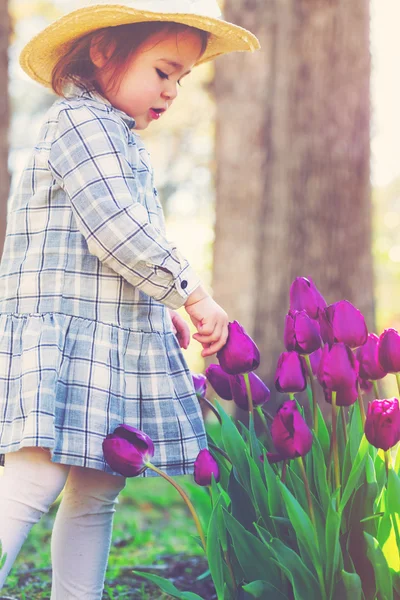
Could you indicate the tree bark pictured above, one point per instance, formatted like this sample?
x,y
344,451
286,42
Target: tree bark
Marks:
x,y
4,117
293,153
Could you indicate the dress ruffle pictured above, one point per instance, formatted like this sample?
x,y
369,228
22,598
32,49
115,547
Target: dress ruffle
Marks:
x,y
66,382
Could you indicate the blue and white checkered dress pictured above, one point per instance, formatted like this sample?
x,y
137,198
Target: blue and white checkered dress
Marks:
x,y
86,340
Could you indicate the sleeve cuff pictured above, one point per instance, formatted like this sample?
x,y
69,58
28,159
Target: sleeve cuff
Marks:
x,y
184,284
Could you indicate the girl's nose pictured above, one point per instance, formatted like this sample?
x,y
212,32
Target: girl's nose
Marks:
x,y
171,91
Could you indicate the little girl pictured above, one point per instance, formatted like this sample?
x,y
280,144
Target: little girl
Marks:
x,y
88,280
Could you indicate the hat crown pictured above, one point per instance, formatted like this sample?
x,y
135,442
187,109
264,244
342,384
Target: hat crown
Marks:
x,y
205,8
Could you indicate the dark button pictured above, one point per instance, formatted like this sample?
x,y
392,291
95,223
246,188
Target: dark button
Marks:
x,y
184,284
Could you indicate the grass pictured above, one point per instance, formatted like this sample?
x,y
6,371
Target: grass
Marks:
x,y
151,523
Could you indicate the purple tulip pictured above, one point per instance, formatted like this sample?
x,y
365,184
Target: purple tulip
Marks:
x,y
220,381
382,427
368,359
305,296
344,396
315,359
240,354
290,373
205,466
290,433
388,351
301,332
338,369
200,384
259,391
346,323
365,385
127,450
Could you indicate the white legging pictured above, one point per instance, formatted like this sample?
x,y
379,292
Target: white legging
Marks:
x,y
81,536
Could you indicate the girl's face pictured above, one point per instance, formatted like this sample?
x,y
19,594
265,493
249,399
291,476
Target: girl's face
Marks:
x,y
149,84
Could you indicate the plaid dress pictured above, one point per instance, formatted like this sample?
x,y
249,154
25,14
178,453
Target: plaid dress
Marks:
x,y
86,340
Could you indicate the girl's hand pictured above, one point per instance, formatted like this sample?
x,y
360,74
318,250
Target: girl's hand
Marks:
x,y
180,328
211,322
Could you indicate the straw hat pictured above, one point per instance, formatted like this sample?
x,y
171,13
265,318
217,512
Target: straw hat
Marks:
x,y
42,53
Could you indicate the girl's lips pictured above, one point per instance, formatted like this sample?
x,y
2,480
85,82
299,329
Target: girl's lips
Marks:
x,y
154,114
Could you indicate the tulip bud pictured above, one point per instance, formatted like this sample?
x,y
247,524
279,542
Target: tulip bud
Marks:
x,y
388,351
200,384
305,296
338,369
205,466
220,381
240,354
290,433
382,426
259,391
290,373
301,332
367,356
347,324
127,450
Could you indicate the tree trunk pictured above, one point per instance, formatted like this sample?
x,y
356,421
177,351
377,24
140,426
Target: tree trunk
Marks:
x,y
4,117
293,152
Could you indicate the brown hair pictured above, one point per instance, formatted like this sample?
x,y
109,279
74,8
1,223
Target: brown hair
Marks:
x,y
77,67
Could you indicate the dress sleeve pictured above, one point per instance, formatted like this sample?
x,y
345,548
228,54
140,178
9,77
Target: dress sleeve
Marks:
x,y
89,158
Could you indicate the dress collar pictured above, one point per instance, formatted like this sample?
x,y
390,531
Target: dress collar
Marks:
x,y
92,94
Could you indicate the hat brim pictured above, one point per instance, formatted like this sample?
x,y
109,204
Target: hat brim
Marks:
x,y
41,54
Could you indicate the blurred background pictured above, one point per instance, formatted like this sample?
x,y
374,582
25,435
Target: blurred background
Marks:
x,y
280,164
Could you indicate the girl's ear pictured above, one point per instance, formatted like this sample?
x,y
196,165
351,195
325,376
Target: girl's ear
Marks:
x,y
98,54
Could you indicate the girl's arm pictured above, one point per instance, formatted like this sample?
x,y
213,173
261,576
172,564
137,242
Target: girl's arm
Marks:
x,y
90,158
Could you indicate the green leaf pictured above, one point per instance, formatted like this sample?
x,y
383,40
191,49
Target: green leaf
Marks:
x,y
348,587
355,472
305,532
319,474
353,442
254,556
216,537
323,435
274,496
397,460
168,587
263,589
235,447
382,572
393,493
304,584
242,502
255,444
333,549
260,494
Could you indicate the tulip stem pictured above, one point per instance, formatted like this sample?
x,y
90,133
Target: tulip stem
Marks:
x,y
300,462
262,417
361,405
376,389
307,487
388,461
249,395
217,449
329,464
212,408
344,424
398,381
313,393
284,469
335,443
186,500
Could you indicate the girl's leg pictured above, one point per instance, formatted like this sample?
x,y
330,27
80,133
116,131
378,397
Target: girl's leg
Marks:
x,y
81,535
29,485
